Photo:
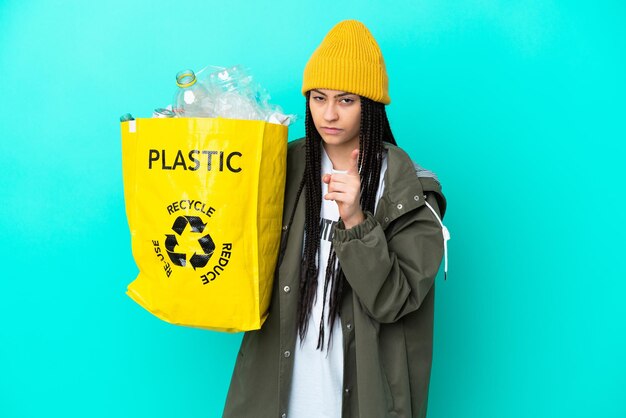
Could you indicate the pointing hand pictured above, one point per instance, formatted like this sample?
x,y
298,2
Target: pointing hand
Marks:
x,y
345,190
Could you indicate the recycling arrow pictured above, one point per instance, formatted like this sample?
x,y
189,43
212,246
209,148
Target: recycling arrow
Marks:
x,y
181,222
177,258
206,242
200,260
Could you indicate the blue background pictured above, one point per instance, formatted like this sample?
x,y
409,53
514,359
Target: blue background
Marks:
x,y
519,106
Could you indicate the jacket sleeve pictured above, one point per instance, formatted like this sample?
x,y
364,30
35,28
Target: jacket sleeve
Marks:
x,y
391,274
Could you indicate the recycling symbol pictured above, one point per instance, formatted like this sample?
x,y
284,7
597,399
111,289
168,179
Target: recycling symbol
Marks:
x,y
196,227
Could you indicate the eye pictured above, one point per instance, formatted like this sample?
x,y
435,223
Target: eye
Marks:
x,y
315,98
347,100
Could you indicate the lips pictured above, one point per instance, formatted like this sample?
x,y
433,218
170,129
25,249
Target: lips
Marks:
x,y
331,131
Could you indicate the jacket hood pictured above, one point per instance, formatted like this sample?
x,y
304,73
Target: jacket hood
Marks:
x,y
399,178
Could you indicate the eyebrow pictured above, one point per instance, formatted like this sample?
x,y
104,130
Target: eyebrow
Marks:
x,y
338,95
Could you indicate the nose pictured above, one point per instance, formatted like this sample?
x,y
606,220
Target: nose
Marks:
x,y
330,112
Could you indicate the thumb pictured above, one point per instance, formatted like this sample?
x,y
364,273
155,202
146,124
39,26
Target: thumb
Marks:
x,y
354,162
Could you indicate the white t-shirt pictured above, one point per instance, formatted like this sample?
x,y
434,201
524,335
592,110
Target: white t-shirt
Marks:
x,y
317,381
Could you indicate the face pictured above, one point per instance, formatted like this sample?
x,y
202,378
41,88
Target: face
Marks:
x,y
337,117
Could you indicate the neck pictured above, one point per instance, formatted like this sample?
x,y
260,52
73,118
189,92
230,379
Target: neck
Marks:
x,y
339,155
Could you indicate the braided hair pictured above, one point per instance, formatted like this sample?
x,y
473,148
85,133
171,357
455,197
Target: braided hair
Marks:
x,y
374,129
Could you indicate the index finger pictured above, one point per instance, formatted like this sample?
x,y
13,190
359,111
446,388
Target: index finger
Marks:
x,y
354,162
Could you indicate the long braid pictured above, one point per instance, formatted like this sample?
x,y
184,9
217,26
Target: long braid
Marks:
x,y
313,200
374,130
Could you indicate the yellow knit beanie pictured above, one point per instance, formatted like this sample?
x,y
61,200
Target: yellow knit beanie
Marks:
x,y
348,59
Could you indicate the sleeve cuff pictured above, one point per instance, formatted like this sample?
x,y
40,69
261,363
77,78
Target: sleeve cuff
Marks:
x,y
356,232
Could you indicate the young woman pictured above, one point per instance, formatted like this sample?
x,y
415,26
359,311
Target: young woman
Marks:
x,y
350,327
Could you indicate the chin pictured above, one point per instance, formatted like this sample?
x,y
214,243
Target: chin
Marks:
x,y
333,140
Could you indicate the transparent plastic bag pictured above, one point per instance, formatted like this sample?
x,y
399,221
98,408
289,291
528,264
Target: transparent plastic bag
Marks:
x,y
227,92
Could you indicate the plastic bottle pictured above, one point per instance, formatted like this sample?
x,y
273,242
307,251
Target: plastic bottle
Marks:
x,y
192,98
